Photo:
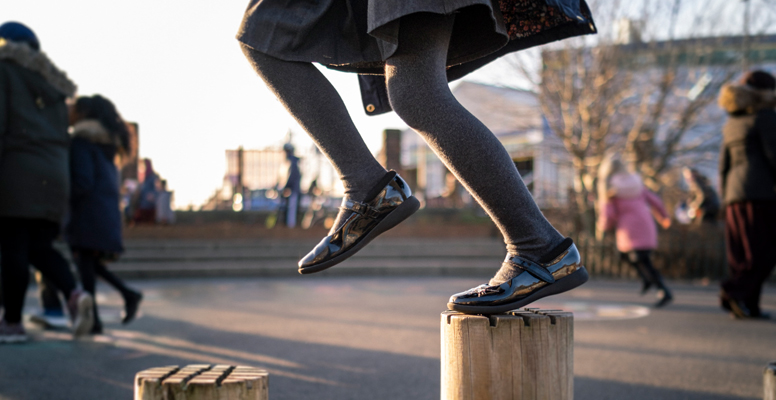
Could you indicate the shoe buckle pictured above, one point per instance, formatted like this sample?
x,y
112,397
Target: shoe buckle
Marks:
x,y
361,208
532,268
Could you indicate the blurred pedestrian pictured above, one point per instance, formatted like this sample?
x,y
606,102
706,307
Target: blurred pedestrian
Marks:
x,y
164,212
628,208
703,205
146,195
291,191
747,166
34,182
94,227
412,44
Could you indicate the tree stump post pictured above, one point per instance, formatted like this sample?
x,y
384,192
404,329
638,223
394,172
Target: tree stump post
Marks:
x,y
769,382
521,355
202,382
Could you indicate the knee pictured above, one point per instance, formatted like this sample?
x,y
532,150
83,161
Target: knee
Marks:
x,y
416,102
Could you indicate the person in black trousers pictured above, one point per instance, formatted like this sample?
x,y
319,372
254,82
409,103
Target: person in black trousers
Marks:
x,y
747,166
94,228
34,182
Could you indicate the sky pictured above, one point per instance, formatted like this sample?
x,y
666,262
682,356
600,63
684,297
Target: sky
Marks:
x,y
175,68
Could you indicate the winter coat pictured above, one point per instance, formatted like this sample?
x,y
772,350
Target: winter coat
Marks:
x,y
631,217
34,179
747,162
147,193
95,218
703,197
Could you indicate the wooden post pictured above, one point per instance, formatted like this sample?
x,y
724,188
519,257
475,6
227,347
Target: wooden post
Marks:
x,y
202,382
769,382
521,355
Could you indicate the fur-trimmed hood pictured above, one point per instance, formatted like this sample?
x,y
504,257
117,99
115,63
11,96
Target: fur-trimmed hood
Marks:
x,y
626,185
93,131
743,99
24,55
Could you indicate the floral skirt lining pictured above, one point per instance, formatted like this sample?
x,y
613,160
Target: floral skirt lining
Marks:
x,y
524,18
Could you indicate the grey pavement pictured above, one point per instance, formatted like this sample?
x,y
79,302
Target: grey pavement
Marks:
x,y
335,337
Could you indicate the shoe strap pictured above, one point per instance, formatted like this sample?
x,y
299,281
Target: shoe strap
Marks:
x,y
531,267
359,208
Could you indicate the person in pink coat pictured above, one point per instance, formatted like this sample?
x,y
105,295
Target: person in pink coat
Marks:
x,y
628,209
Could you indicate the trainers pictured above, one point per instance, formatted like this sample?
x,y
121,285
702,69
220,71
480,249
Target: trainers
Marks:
x,y
51,320
81,306
12,333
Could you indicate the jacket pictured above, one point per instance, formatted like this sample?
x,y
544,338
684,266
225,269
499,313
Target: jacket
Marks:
x,y
95,218
33,134
747,161
632,220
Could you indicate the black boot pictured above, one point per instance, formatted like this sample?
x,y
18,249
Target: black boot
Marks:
x,y
132,301
665,296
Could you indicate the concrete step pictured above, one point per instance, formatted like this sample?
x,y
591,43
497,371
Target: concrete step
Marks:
x,y
286,268
278,250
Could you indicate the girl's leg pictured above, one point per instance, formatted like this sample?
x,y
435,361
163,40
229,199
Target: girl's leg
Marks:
x,y
646,276
102,271
318,108
644,258
131,297
420,95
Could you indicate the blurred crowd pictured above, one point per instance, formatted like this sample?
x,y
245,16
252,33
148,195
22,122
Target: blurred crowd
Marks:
x,y
746,202
59,177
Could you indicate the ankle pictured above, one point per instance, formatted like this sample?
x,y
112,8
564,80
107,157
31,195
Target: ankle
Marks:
x,y
367,184
542,254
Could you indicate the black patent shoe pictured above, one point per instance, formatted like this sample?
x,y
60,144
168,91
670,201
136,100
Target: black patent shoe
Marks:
x,y
563,272
664,299
131,305
358,223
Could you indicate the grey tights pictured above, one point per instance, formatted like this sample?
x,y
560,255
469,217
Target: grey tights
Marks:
x,y
419,93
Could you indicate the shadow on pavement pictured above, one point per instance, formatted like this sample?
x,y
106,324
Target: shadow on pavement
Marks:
x,y
588,388
104,368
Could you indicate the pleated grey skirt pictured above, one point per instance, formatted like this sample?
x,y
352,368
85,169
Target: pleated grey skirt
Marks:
x,y
359,35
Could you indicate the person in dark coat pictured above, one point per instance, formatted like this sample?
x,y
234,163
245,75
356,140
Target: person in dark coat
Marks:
x,y
34,182
418,47
146,195
94,228
747,166
703,204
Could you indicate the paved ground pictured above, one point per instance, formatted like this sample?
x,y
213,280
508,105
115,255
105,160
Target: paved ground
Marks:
x,y
378,338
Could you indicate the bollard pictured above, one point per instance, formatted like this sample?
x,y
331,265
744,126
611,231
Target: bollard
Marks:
x,y
202,382
523,354
769,382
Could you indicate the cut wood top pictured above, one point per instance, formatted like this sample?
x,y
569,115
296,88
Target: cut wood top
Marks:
x,y
526,314
200,374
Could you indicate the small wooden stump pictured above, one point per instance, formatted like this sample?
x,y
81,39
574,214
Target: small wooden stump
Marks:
x,y
202,382
521,355
769,382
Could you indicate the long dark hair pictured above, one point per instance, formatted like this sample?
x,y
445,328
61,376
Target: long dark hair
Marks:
x,y
103,110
